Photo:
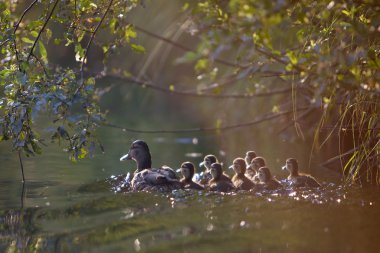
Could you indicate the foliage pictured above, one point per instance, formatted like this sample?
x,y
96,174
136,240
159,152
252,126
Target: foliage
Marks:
x,y
326,51
32,85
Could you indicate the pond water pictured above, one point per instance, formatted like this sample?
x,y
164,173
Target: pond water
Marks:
x,y
68,207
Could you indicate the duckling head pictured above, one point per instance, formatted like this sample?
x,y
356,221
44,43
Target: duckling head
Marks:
x,y
187,170
239,166
216,170
264,174
249,156
291,166
139,152
208,160
257,163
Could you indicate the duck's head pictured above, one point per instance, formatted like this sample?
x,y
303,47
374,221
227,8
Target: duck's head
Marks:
x,y
139,152
207,161
257,163
239,166
216,170
187,170
291,166
249,156
264,174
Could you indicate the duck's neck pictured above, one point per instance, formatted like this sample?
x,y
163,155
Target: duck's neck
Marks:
x,y
144,162
294,173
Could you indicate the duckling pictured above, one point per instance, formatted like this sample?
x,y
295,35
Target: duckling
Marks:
x,y
187,170
248,157
299,179
205,176
267,182
239,180
253,168
145,177
217,183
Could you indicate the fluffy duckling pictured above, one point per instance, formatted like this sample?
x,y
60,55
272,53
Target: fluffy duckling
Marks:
x,y
267,181
239,180
206,176
187,170
248,157
217,183
145,177
253,168
298,179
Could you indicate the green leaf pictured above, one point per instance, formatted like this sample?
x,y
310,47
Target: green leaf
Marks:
x,y
27,40
129,33
34,34
43,52
292,57
138,48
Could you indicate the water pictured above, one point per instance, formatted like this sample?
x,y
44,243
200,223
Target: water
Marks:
x,y
68,207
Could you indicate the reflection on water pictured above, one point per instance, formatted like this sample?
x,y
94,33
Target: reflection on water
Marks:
x,y
331,219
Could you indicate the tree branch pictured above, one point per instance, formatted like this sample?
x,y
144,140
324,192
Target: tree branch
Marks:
x,y
147,84
187,49
42,29
261,119
89,44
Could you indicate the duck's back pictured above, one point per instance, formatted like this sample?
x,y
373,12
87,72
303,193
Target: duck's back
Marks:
x,y
306,181
221,186
156,179
242,183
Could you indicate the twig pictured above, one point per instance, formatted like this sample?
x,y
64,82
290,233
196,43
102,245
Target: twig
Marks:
x,y
42,29
89,44
147,84
184,48
42,65
4,42
267,117
16,26
22,166
338,157
269,55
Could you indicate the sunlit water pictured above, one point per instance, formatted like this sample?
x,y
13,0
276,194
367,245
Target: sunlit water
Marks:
x,y
69,207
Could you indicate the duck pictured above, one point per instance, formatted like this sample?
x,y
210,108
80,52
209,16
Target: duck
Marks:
x,y
298,179
253,168
146,178
249,155
187,171
206,176
239,180
217,183
267,181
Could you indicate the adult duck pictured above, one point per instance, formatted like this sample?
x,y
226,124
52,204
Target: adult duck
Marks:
x,y
296,178
145,177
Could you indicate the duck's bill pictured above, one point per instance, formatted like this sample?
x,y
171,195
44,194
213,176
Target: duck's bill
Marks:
x,y
231,167
283,167
125,157
178,170
202,164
